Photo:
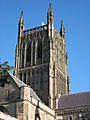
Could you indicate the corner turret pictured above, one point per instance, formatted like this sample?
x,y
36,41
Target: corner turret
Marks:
x,y
20,26
50,22
62,30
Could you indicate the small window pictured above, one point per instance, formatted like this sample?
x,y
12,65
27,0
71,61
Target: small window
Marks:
x,y
24,77
37,117
70,118
41,80
28,80
33,78
20,76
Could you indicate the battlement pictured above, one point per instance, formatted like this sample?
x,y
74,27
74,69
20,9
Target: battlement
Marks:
x,y
34,30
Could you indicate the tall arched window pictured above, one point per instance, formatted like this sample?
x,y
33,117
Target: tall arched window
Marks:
x,y
39,51
28,54
33,52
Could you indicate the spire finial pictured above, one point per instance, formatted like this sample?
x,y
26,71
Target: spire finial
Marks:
x,y
50,6
62,26
62,23
21,20
21,14
50,12
62,30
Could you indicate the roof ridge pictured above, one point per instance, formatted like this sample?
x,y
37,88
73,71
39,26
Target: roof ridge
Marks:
x,y
77,93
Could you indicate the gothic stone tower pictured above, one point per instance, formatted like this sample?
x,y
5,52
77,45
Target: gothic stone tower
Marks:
x,y
41,59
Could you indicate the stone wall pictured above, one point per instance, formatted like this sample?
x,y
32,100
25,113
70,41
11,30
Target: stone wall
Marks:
x,y
78,113
4,116
29,108
40,111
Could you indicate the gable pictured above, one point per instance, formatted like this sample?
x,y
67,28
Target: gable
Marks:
x,y
10,91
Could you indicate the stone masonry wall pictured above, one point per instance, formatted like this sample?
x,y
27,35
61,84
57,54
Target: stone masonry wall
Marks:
x,y
4,116
29,108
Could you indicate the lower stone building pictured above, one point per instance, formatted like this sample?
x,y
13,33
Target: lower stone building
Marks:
x,y
74,107
4,116
18,101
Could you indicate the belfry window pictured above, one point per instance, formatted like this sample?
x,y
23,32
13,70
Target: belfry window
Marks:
x,y
34,52
39,50
28,54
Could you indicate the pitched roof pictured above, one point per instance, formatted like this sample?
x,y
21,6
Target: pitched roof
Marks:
x,y
21,83
34,95
17,81
74,100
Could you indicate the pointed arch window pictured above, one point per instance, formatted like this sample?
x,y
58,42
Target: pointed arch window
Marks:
x,y
33,52
39,51
28,54
70,118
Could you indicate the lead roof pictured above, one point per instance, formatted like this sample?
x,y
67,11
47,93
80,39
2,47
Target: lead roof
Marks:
x,y
74,100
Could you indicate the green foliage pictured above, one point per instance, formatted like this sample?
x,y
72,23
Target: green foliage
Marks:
x,y
4,69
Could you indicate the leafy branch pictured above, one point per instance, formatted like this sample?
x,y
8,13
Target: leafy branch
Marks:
x,y
4,69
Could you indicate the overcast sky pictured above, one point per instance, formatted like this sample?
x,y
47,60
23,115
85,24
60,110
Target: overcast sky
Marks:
x,y
76,16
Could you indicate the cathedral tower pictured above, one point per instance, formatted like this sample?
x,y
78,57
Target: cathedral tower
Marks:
x,y
41,59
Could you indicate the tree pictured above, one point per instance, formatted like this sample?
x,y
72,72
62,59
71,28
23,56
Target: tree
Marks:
x,y
4,72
